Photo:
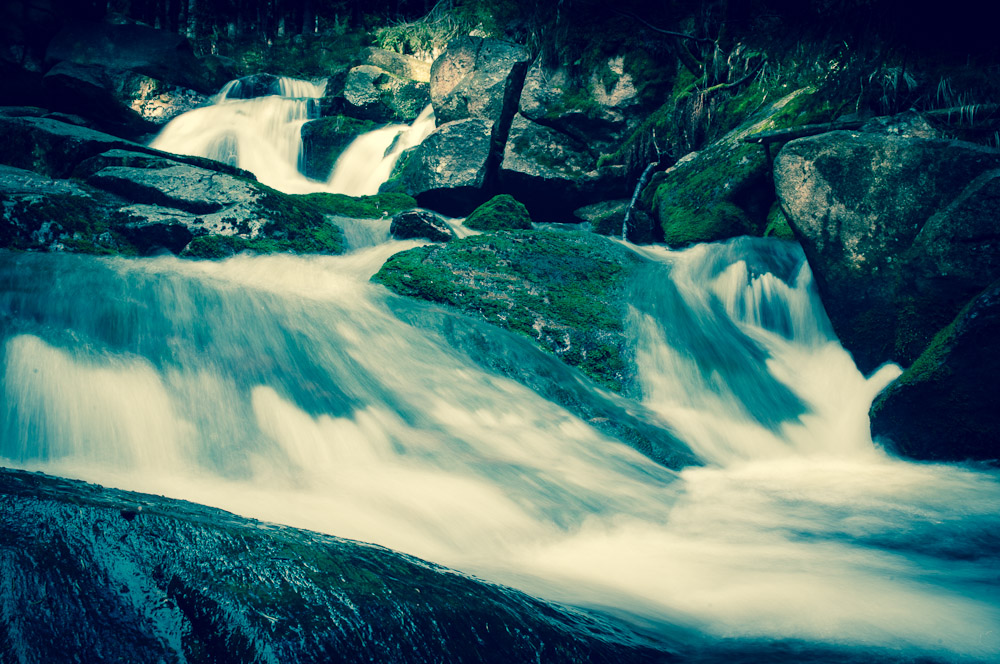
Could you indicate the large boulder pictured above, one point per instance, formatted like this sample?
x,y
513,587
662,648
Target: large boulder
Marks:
x,y
599,110
94,574
477,78
553,172
945,406
397,64
900,233
723,190
371,93
163,55
119,101
500,213
448,170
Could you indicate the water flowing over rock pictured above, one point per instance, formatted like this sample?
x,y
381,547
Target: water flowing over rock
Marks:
x,y
886,221
944,407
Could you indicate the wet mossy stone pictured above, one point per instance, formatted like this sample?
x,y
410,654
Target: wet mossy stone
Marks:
x,y
224,588
414,224
777,224
500,213
724,190
359,207
562,289
325,139
945,406
606,217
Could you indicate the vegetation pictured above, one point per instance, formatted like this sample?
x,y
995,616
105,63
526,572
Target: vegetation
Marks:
x,y
502,212
359,207
561,289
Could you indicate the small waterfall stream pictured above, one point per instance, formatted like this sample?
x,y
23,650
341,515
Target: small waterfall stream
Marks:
x,y
263,135
284,388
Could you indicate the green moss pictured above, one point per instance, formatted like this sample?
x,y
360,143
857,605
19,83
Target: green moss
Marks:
x,y
502,212
777,224
360,207
683,226
79,223
561,289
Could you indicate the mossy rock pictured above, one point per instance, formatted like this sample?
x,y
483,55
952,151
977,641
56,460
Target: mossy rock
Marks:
x,y
325,139
359,207
944,407
500,213
564,290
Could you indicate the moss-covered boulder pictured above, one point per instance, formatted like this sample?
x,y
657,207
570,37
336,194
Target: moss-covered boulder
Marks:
x,y
397,64
325,139
378,206
371,93
945,406
900,233
564,290
38,213
500,213
725,189
94,574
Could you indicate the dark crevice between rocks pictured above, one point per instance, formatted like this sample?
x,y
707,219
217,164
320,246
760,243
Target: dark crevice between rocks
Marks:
x,y
501,130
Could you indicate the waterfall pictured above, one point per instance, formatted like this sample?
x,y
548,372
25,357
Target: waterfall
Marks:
x,y
263,135
368,160
285,388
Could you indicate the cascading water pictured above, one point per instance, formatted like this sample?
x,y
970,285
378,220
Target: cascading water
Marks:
x,y
284,388
264,136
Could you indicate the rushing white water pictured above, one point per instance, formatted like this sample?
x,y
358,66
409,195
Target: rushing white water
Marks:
x,y
284,388
264,136
368,161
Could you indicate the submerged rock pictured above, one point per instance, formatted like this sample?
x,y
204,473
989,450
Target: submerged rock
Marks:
x,y
94,574
945,406
900,233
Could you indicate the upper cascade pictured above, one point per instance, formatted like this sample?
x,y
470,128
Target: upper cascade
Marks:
x,y
256,122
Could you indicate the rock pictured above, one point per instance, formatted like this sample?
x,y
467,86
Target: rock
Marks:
x,y
411,224
599,111
500,213
447,172
325,139
562,289
606,217
163,55
96,574
51,147
372,93
944,407
253,86
552,172
39,213
477,78
118,101
724,190
900,233
397,64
